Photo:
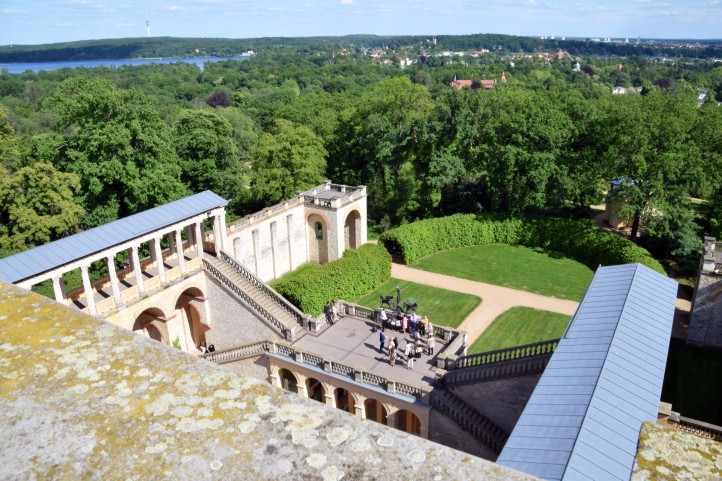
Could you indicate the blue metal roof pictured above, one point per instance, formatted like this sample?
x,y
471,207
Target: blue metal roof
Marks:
x,y
605,378
38,260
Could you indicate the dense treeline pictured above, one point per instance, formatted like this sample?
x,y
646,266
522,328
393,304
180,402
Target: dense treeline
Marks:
x,y
82,147
176,47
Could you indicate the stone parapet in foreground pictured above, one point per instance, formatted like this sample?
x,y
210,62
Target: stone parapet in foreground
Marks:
x,y
82,399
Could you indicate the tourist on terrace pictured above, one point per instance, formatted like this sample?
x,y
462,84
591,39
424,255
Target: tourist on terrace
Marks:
x,y
392,354
431,345
383,319
407,350
382,341
409,361
404,323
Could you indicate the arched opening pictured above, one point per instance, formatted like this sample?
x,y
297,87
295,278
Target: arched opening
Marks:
x,y
315,390
375,411
352,230
152,322
408,422
288,380
317,239
344,400
190,304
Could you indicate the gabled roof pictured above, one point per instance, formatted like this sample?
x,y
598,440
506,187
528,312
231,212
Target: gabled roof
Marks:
x,y
605,378
38,260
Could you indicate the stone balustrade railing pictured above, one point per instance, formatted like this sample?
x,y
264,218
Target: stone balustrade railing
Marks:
x,y
303,357
525,366
509,354
280,301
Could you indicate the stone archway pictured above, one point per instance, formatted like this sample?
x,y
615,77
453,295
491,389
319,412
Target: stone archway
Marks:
x,y
408,422
288,380
315,390
352,230
190,305
375,411
317,239
152,322
345,400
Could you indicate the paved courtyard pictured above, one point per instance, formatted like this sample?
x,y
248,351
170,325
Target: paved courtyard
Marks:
x,y
352,342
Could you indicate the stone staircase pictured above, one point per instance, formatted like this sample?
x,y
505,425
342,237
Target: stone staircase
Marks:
x,y
279,314
524,360
468,418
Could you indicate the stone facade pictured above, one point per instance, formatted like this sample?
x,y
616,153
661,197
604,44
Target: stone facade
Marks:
x,y
316,226
705,327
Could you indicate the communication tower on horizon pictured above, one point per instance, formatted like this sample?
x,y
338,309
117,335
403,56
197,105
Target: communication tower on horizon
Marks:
x,y
147,28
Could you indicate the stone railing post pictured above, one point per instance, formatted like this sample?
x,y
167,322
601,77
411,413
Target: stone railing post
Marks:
x,y
390,386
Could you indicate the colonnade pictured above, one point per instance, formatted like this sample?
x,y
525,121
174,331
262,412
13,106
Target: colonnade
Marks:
x,y
141,276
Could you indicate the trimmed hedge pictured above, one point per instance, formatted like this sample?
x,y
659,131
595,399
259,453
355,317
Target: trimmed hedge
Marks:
x,y
578,239
358,272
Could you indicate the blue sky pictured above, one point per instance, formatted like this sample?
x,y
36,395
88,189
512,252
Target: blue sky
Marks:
x,y
36,21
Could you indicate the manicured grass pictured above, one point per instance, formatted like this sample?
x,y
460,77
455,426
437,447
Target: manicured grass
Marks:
x,y
443,307
520,325
513,266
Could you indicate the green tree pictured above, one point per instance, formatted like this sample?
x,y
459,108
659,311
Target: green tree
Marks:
x,y
647,140
9,152
289,159
118,145
37,205
383,143
208,153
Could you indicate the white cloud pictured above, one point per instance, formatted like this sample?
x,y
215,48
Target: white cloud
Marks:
x,y
345,2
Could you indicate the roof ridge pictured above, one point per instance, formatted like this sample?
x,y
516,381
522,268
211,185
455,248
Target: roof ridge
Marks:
x,y
601,370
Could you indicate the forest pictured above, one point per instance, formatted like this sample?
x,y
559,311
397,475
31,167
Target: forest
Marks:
x,y
177,47
82,147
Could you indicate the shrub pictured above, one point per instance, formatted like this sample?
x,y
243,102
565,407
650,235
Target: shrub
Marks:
x,y
579,239
356,273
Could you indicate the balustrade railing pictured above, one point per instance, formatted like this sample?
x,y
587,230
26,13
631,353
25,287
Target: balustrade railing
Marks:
x,y
501,370
509,354
302,357
270,318
238,354
289,308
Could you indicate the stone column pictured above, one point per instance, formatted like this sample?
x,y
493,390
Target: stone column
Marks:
x,y
328,395
217,234
190,233
224,230
114,284
301,385
391,412
137,269
88,290
359,406
158,255
289,235
198,237
273,377
58,289
273,227
179,251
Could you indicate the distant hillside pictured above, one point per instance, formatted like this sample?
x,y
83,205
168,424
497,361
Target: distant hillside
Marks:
x,y
175,47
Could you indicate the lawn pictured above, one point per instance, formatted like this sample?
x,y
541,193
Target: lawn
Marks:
x,y
443,307
520,325
514,266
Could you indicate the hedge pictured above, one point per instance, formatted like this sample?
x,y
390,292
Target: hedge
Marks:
x,y
578,239
358,272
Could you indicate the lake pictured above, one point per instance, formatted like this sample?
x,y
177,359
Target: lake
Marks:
x,y
200,62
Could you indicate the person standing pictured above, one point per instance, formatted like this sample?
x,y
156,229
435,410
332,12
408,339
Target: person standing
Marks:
x,y
382,341
407,349
392,355
409,362
383,318
432,345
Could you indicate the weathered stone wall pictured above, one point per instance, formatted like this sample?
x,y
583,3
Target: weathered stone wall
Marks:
x,y
234,324
83,399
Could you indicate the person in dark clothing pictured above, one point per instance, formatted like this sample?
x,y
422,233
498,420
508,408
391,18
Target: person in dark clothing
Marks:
x,y
382,341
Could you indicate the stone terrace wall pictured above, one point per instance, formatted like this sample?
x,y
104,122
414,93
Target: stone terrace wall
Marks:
x,y
82,399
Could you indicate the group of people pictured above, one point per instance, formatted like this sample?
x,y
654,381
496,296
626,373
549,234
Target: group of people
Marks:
x,y
403,322
412,349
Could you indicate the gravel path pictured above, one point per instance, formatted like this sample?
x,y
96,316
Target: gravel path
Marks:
x,y
494,299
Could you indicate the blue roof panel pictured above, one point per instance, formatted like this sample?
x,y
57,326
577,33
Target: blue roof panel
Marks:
x,y
54,254
604,379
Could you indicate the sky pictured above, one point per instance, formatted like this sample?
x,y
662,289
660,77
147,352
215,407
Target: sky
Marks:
x,y
44,21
